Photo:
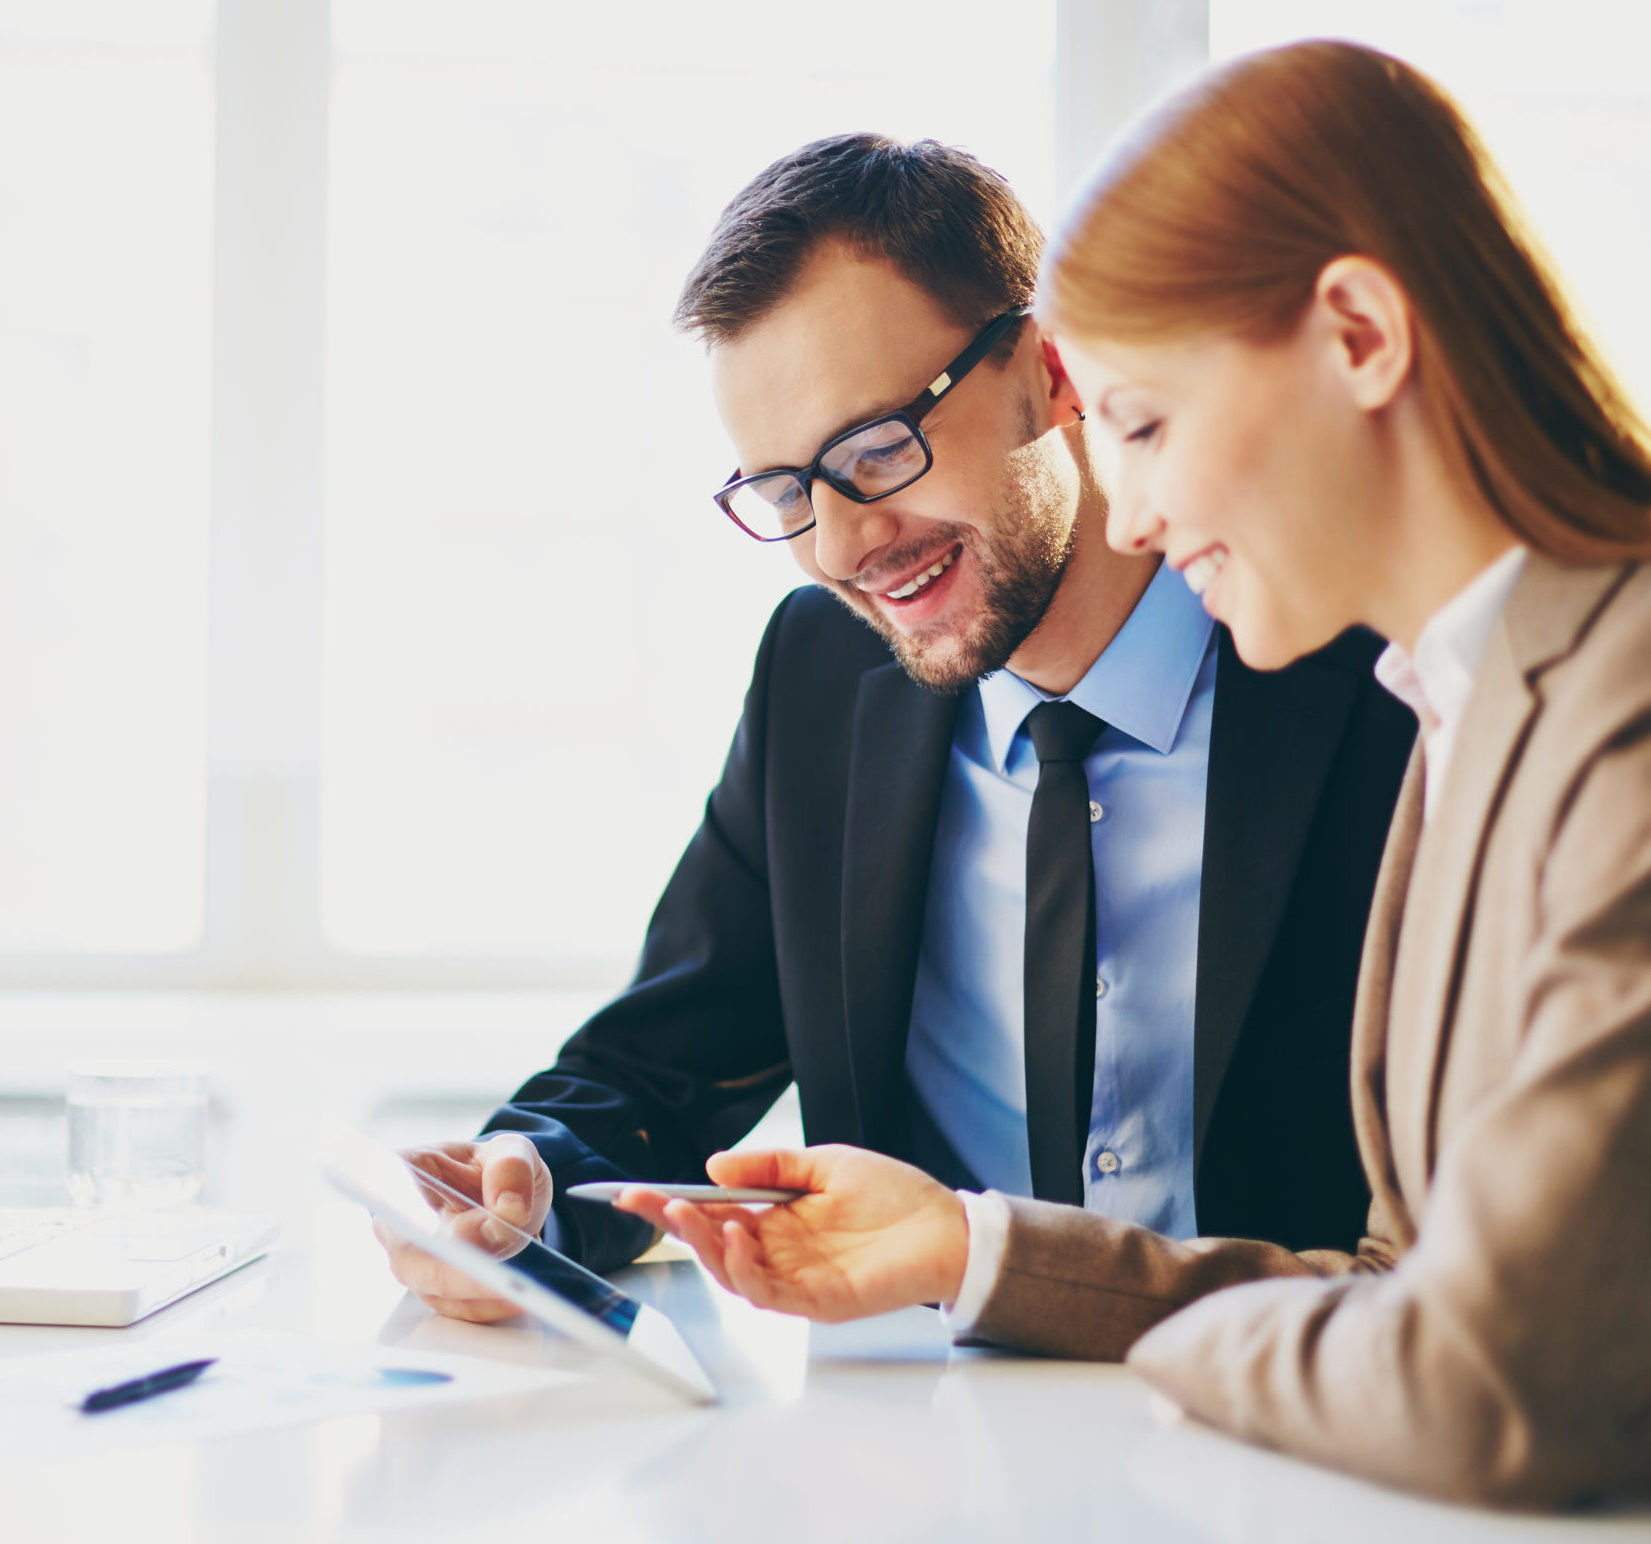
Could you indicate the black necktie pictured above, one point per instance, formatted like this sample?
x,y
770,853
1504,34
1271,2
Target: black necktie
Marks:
x,y
1060,952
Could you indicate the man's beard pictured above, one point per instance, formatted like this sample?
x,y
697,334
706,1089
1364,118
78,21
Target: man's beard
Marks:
x,y
1020,568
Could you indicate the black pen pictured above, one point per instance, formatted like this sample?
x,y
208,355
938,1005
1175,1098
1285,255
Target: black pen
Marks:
x,y
146,1387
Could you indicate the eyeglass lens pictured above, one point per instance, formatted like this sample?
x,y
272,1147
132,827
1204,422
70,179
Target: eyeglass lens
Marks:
x,y
878,459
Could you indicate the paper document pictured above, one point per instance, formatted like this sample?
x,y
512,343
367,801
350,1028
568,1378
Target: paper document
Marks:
x,y
261,1379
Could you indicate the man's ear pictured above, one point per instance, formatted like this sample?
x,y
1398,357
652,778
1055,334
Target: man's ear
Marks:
x,y
1065,405
1365,316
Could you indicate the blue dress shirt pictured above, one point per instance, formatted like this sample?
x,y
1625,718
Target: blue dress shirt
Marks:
x,y
1155,687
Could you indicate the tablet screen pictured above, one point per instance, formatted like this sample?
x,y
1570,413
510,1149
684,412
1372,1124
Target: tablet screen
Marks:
x,y
597,1297
417,1203
447,1208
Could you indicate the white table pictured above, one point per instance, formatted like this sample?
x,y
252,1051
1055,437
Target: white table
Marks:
x,y
868,1432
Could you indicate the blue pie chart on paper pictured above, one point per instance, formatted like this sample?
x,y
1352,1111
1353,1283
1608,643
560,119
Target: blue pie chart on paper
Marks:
x,y
383,1378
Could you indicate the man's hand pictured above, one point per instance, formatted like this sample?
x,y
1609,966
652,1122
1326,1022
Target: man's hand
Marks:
x,y
874,1234
506,1175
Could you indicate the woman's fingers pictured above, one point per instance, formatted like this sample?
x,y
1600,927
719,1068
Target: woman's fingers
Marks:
x,y
785,1168
720,1212
690,1224
647,1204
740,1253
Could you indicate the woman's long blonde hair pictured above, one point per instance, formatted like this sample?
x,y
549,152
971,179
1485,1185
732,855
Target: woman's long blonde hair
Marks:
x,y
1222,209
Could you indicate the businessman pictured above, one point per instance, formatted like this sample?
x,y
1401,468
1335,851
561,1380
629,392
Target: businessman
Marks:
x,y
1013,868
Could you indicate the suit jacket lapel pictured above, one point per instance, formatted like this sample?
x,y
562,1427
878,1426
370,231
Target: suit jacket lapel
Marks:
x,y
1272,740
1546,613
902,737
1439,911
1372,1006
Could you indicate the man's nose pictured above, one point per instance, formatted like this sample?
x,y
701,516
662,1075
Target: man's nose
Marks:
x,y
846,533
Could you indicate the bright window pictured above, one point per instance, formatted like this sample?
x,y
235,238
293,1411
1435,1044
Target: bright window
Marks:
x,y
538,628
1560,93
360,598
106,146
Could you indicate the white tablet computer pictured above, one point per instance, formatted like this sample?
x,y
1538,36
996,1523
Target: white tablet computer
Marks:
x,y
425,1211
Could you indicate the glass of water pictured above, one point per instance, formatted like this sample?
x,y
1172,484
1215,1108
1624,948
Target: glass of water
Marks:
x,y
137,1134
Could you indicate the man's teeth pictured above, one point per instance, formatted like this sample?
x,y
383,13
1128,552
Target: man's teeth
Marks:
x,y
1200,573
928,576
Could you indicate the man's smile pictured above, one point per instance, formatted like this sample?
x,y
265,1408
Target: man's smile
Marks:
x,y
913,594
923,578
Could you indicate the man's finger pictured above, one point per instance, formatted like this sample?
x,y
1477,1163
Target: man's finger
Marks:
x,y
403,1256
478,1228
422,1273
454,1164
473,1310
448,1291
429,1277
510,1171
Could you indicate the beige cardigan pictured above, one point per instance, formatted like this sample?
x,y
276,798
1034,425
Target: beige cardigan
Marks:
x,y
1491,1338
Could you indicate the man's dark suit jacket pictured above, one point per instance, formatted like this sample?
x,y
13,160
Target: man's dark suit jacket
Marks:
x,y
785,946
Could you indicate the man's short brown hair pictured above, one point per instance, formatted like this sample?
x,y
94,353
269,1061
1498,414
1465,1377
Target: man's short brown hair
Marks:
x,y
948,223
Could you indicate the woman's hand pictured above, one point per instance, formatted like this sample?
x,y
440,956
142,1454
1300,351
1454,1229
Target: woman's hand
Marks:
x,y
873,1235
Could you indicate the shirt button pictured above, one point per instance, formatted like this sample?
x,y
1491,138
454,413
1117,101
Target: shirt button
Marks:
x,y
1095,812
1100,988
1106,1163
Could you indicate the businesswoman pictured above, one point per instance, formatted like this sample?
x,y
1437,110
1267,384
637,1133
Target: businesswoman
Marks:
x,y
1337,383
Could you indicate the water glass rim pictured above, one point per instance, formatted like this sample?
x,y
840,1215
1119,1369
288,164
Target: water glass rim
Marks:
x,y
131,1074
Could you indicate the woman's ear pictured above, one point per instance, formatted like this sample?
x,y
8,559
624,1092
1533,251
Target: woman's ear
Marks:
x,y
1065,404
1366,317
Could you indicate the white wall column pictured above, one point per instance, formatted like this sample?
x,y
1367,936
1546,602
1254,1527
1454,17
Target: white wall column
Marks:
x,y
1113,57
264,696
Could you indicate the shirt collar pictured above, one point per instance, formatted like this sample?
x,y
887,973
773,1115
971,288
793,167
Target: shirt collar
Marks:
x,y
1435,682
1141,683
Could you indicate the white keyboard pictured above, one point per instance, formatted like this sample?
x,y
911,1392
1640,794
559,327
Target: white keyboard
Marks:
x,y
23,1228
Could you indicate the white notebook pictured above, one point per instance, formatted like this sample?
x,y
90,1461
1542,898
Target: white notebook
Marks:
x,y
70,1265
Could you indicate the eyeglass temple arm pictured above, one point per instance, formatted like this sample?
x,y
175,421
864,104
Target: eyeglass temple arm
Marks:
x,y
965,362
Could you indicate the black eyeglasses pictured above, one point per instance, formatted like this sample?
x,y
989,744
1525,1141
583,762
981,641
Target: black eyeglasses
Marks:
x,y
865,463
